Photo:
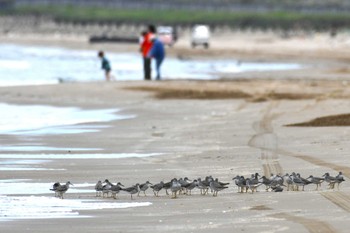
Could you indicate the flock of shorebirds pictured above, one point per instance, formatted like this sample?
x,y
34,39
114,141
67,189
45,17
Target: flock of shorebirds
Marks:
x,y
275,183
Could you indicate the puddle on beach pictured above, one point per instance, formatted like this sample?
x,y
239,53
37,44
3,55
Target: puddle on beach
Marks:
x,y
77,156
28,187
37,207
40,120
33,207
27,162
24,65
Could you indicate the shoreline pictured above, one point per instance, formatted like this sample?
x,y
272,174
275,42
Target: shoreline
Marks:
x,y
243,45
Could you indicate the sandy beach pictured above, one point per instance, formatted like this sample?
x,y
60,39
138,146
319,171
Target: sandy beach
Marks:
x,y
196,134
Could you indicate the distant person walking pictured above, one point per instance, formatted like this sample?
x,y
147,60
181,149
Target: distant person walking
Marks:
x,y
158,53
146,46
106,66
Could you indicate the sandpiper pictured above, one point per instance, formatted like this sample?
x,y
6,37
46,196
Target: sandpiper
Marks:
x,y
106,188
167,186
216,187
316,180
157,187
132,190
190,186
115,189
288,181
339,179
240,181
61,189
266,182
330,180
99,188
143,187
54,188
175,187
252,184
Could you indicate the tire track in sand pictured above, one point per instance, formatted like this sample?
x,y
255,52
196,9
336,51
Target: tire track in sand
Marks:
x,y
317,161
312,225
266,140
340,199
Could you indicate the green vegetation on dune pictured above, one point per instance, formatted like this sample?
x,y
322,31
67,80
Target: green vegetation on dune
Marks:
x,y
279,19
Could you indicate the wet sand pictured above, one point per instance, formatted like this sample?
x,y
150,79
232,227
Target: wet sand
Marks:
x,y
197,137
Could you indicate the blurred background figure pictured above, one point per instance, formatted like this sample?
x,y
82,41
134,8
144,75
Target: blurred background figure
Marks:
x,y
141,39
145,49
106,66
158,53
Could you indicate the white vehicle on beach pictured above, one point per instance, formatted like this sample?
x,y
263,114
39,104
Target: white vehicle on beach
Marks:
x,y
200,36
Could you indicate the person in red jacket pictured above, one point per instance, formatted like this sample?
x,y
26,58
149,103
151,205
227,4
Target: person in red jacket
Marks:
x,y
146,46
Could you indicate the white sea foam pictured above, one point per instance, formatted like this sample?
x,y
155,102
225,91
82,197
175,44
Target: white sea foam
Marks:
x,y
38,119
14,64
32,207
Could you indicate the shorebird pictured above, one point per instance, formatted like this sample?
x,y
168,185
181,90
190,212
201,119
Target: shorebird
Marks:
x,y
143,187
316,180
202,186
240,181
296,181
54,188
252,184
288,181
216,187
339,178
61,189
99,188
167,186
184,182
106,188
277,189
132,190
191,186
175,187
221,183
266,182
115,189
330,180
157,187
277,180
305,181
272,176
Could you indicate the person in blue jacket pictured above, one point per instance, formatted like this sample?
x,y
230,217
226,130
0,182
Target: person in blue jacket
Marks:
x,y
158,53
106,66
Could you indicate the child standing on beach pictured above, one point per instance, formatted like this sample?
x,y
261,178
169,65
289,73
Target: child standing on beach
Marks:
x,y
106,66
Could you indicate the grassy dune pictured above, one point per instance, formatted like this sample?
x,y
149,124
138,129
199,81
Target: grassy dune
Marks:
x,y
275,19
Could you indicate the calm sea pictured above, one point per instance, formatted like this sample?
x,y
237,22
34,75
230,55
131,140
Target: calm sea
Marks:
x,y
34,65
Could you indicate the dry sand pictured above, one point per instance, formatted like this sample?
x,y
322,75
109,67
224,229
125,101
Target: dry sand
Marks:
x,y
203,136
